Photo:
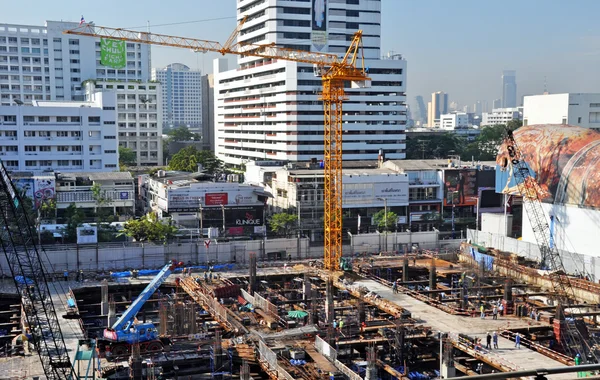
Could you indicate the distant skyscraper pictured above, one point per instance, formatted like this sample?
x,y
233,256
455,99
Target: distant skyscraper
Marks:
x,y
497,104
437,107
181,95
509,89
477,108
465,109
421,111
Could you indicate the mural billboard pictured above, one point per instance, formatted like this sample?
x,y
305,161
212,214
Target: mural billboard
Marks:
x,y
319,24
38,188
460,187
564,160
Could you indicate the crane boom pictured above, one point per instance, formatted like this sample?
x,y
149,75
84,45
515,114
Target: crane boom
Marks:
x,y
335,72
128,317
27,270
577,336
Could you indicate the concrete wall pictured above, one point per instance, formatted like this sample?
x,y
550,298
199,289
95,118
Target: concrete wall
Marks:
x,y
123,256
573,262
496,223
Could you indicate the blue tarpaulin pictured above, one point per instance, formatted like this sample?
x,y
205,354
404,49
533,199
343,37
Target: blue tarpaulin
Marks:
x,y
154,272
487,260
23,280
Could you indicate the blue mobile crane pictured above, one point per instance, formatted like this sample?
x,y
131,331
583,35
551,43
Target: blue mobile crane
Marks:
x,y
126,331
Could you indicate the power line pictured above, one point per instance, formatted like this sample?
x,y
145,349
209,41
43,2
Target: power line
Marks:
x,y
181,23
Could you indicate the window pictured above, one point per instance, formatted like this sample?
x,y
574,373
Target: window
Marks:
x,y
12,163
62,134
31,163
110,151
44,119
76,148
45,163
44,133
74,61
110,137
75,119
110,165
29,133
30,148
108,108
77,162
594,117
45,149
594,105
109,123
93,119
75,133
62,119
28,119
62,148
63,162
11,148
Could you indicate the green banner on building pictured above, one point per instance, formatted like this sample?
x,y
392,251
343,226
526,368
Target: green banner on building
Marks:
x,y
112,53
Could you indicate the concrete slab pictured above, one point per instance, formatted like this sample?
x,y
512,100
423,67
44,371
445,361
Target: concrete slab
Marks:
x,y
522,359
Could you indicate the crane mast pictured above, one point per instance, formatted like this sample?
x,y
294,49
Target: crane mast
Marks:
x,y
335,73
577,339
27,270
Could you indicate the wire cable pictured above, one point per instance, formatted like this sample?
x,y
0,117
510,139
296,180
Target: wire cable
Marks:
x,y
181,23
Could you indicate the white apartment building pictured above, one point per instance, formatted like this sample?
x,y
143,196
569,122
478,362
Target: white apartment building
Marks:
x,y
61,136
501,116
572,108
268,109
455,120
181,95
42,63
139,116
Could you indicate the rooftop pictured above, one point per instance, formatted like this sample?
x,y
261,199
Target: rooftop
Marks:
x,y
410,165
95,176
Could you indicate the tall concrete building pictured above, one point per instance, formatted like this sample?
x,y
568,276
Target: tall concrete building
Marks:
x,y
181,95
497,103
60,136
270,109
477,108
436,107
139,117
42,63
208,112
421,113
509,89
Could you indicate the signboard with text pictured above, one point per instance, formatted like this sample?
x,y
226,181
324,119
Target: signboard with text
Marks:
x,y
112,53
215,199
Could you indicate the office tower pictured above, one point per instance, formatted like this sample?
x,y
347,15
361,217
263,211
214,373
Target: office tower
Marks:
x,y
181,95
421,112
509,89
208,112
477,108
496,104
438,106
270,109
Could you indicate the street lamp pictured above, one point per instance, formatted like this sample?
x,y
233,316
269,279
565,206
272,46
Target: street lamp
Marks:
x,y
437,237
201,216
385,219
223,214
409,240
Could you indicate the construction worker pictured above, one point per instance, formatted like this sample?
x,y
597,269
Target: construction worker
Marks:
x,y
518,341
482,311
495,340
395,287
81,275
495,312
488,341
578,362
66,275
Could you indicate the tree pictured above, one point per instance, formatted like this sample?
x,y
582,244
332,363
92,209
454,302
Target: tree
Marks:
x,y
433,146
149,228
74,217
182,133
127,156
283,223
188,158
385,225
48,209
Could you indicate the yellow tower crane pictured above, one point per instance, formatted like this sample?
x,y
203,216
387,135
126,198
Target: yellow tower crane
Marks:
x,y
335,72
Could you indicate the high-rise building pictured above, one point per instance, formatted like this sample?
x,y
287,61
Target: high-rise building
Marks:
x,y
61,136
438,106
421,113
509,89
572,108
497,103
181,95
208,112
270,109
501,116
454,120
477,108
139,117
42,63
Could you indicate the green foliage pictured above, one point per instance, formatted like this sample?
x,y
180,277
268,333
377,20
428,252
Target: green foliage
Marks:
x,y
433,146
75,218
283,223
182,133
127,157
46,237
149,228
384,223
48,209
188,158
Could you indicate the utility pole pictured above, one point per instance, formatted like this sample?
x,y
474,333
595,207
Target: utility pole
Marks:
x,y
385,220
201,216
223,213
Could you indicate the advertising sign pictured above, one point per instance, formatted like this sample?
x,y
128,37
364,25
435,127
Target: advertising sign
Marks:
x,y
319,24
393,192
364,194
43,190
215,199
460,187
87,235
112,53
562,162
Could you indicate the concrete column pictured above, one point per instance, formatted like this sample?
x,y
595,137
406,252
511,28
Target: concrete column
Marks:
x,y
405,269
447,371
432,276
329,307
508,296
306,288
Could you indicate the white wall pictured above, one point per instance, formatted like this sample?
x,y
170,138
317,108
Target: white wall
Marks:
x,y
575,231
496,223
545,109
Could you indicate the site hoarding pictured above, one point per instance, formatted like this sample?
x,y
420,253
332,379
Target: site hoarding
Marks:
x,y
359,191
562,160
460,187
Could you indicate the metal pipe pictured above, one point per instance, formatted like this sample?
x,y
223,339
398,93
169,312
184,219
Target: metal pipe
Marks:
x,y
538,372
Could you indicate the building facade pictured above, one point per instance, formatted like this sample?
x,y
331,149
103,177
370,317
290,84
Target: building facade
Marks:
x,y
501,116
208,112
509,89
437,107
578,109
139,117
42,63
181,95
65,136
455,120
266,109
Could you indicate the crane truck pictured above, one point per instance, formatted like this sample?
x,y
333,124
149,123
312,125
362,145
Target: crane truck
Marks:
x,y
127,331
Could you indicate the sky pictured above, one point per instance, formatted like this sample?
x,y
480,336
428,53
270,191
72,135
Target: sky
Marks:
x,y
460,47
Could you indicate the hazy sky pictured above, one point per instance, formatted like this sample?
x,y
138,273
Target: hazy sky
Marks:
x,y
460,47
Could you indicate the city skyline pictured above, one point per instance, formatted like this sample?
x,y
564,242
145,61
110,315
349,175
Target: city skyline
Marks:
x,y
528,48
